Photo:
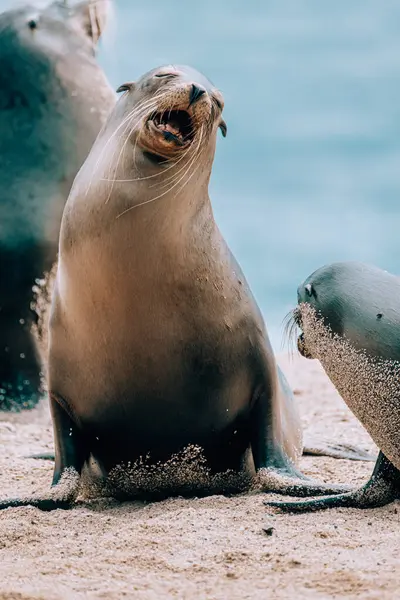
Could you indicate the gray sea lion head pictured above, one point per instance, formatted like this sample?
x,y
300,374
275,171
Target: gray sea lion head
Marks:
x,y
59,27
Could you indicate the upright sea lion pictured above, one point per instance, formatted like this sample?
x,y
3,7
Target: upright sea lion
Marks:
x,y
349,315
155,341
54,98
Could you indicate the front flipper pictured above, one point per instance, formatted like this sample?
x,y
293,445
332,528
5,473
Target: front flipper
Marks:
x,y
275,471
62,495
70,455
280,481
346,451
381,489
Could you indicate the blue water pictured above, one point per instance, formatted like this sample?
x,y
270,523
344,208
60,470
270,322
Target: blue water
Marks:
x,y
309,172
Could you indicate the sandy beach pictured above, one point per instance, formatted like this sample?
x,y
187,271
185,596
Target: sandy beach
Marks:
x,y
211,548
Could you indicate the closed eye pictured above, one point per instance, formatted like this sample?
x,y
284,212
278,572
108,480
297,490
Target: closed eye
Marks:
x,y
217,102
160,75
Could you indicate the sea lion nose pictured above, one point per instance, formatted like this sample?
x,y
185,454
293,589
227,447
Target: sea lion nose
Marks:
x,y
195,93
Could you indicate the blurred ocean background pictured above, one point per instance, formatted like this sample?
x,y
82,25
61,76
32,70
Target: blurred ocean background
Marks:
x,y
310,170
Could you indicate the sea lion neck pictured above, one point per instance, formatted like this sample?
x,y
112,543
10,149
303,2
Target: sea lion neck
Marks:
x,y
157,202
130,214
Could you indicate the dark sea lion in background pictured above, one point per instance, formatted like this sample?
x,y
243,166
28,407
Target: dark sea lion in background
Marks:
x,y
54,98
349,315
155,340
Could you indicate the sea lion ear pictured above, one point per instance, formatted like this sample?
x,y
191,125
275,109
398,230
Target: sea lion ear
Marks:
x,y
91,16
223,127
126,87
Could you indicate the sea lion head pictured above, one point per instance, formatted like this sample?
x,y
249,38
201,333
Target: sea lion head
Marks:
x,y
172,111
156,149
319,313
57,29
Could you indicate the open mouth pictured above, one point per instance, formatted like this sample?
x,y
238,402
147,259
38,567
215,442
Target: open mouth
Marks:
x,y
174,125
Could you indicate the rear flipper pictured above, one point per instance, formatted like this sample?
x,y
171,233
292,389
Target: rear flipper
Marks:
x,y
381,489
347,451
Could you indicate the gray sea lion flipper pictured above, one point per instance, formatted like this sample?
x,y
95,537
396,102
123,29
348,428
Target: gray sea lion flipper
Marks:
x,y
42,456
344,451
382,488
70,455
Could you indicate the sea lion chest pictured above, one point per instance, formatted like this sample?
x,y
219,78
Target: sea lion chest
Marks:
x,y
165,342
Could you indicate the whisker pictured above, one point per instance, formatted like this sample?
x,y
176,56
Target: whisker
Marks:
x,y
130,127
290,331
176,173
145,104
190,177
159,173
149,176
142,109
152,199
174,176
189,163
125,120
114,165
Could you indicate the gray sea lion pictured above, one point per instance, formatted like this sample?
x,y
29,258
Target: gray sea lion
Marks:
x,y
349,315
54,98
155,341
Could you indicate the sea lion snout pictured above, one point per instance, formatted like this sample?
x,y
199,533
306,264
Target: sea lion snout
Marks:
x,y
177,106
301,342
305,296
302,348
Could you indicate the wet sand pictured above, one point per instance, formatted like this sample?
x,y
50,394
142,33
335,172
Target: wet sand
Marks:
x,y
212,548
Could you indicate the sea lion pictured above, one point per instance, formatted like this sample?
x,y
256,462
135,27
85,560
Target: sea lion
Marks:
x,y
155,340
349,316
54,98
